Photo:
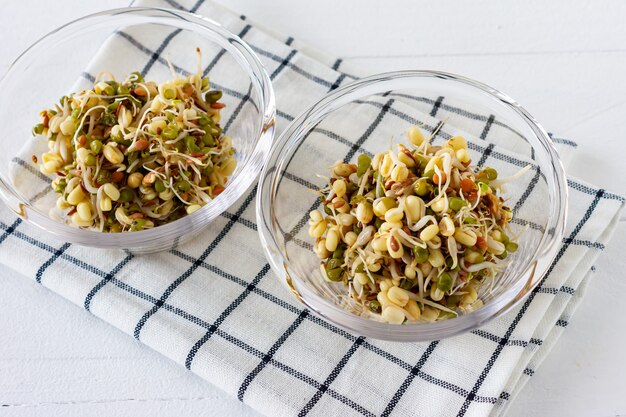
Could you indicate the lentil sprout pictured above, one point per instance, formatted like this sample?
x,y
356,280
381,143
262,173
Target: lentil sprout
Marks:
x,y
135,154
414,233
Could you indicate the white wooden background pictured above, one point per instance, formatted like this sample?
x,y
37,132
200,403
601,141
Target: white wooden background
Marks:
x,y
565,61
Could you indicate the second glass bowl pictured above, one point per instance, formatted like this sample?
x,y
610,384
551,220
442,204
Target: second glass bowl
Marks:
x,y
366,117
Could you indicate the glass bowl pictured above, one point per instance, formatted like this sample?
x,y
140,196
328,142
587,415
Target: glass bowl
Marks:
x,y
122,41
367,116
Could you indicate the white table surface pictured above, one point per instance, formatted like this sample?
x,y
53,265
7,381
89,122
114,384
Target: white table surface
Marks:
x,y
564,61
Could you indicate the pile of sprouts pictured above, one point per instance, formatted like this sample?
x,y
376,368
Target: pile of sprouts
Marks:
x,y
413,233
135,154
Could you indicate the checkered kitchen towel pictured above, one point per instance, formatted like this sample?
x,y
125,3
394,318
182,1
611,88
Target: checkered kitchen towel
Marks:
x,y
233,323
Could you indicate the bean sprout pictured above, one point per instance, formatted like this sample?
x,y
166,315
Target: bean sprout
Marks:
x,y
137,154
426,227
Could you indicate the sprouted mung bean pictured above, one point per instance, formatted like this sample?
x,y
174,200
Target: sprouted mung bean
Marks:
x,y
414,233
135,154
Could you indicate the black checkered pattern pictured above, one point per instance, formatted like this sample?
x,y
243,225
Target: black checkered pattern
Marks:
x,y
211,331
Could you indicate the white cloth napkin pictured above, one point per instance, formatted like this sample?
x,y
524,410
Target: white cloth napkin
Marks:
x,y
214,306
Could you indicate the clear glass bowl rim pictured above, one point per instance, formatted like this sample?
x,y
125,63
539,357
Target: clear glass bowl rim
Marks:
x,y
239,183
543,256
